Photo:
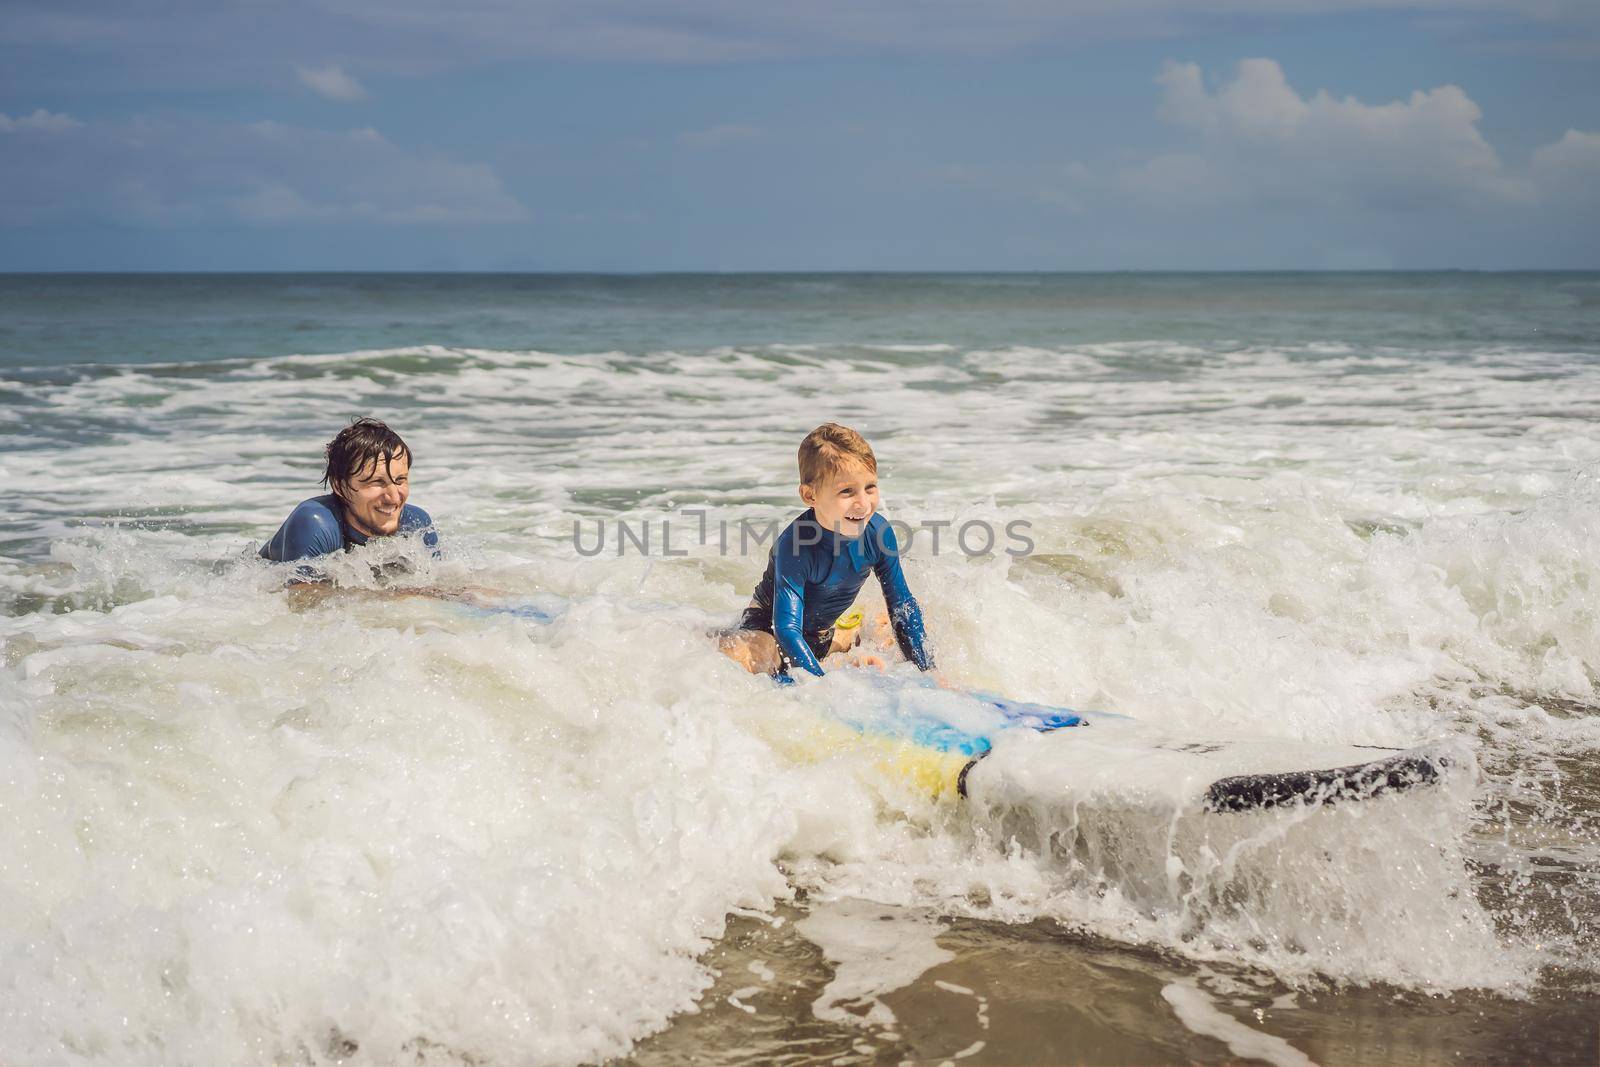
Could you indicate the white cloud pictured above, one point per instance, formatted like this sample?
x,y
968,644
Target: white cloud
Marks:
x,y
1258,103
728,133
46,121
1260,174
267,173
1255,143
331,82
1262,140
1576,152
1569,170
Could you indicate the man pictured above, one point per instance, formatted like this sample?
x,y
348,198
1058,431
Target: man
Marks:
x,y
368,471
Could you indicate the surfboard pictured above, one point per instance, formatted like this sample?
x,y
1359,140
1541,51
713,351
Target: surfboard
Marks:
x,y
1017,752
996,751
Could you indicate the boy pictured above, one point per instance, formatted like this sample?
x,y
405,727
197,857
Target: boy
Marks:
x,y
821,561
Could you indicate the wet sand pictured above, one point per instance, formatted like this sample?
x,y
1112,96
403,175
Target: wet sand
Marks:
x,y
1038,994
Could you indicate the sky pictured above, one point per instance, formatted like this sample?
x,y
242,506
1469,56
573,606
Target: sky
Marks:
x,y
735,135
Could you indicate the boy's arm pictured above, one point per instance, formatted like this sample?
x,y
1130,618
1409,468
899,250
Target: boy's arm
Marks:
x,y
789,607
904,612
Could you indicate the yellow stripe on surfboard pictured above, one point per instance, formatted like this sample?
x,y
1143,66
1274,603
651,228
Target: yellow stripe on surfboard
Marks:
x,y
927,770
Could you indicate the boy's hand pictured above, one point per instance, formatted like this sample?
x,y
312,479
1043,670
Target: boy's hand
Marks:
x,y
883,630
868,660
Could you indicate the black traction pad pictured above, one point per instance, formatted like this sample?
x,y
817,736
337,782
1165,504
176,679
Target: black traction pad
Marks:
x,y
1251,792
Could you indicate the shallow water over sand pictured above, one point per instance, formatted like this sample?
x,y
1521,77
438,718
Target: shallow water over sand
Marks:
x,y
1033,993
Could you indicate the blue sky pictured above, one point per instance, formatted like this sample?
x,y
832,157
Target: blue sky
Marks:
x,y
835,135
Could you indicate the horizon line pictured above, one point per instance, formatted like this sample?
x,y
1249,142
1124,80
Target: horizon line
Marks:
x,y
789,272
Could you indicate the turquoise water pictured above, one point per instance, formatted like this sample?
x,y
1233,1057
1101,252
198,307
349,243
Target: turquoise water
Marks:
x,y
1325,508
51,319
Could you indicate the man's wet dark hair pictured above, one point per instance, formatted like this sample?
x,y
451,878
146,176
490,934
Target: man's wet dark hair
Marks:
x,y
364,443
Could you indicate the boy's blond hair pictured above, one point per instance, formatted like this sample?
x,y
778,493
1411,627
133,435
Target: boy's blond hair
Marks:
x,y
830,448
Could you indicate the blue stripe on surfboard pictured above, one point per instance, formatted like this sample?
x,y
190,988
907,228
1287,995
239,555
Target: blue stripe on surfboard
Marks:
x,y
947,738
897,716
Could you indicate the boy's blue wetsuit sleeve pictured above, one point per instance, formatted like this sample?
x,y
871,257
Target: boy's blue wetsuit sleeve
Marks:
x,y
904,612
789,604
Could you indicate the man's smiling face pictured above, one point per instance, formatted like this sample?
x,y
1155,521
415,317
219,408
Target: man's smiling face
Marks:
x,y
375,495
845,500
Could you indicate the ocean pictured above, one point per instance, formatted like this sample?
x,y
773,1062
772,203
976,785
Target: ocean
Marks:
x,y
539,819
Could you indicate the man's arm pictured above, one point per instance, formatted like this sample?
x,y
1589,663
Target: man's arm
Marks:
x,y
311,530
413,518
904,612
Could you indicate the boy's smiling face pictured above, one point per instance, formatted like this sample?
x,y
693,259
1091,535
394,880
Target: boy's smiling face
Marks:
x,y
845,500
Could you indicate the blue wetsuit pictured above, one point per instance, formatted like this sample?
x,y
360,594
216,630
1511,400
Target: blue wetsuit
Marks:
x,y
813,576
318,527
